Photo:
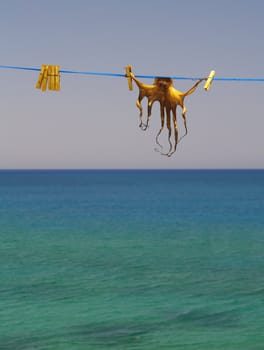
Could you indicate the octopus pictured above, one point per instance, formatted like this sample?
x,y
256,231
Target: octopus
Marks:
x,y
169,98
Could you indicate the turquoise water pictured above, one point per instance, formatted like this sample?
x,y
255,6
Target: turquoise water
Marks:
x,y
131,260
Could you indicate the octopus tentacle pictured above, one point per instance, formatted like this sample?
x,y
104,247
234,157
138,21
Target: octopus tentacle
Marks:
x,y
162,118
185,123
168,123
176,133
169,130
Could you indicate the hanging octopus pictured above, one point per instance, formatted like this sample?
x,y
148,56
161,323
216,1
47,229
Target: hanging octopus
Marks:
x,y
169,98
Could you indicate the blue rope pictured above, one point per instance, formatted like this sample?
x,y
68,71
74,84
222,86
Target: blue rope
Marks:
x,y
92,73
138,76
21,68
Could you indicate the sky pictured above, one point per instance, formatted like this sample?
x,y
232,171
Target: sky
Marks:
x,y
93,121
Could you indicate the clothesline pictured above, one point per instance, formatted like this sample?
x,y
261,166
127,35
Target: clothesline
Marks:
x,y
65,71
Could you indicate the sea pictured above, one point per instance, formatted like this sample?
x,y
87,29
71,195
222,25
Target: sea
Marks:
x,y
132,259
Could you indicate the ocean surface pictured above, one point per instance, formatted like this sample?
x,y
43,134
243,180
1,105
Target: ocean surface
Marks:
x,y
140,260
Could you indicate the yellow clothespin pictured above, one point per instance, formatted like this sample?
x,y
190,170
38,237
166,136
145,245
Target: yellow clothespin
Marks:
x,y
128,75
54,78
41,76
57,77
45,79
209,80
51,80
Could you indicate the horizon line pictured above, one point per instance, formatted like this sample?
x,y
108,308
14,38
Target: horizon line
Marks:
x,y
124,169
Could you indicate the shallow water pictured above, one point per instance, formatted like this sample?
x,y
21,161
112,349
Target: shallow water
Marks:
x,y
131,260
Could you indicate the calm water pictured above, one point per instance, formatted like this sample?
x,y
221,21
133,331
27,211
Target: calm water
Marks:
x,y
131,260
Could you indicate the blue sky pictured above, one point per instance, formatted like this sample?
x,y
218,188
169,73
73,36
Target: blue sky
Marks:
x,y
93,121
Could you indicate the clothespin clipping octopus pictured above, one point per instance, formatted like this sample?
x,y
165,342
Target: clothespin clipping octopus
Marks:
x,y
209,80
49,75
169,98
129,77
